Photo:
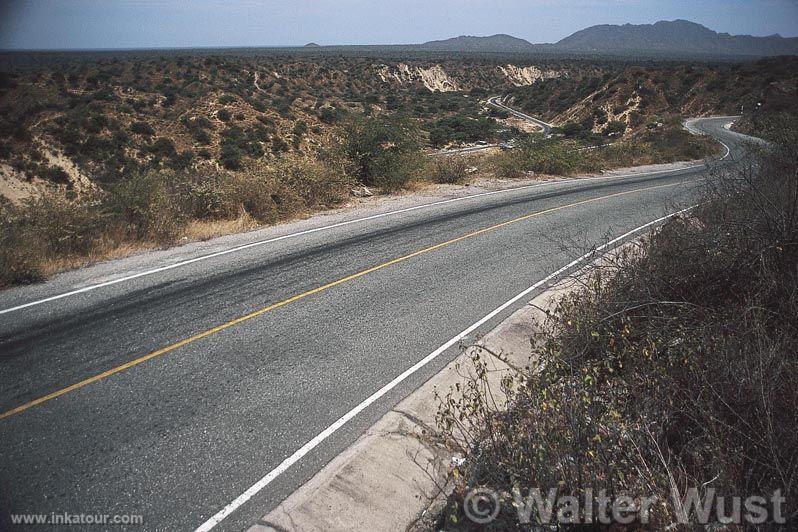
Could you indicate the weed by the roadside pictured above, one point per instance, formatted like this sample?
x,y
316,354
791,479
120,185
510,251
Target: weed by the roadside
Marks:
x,y
447,169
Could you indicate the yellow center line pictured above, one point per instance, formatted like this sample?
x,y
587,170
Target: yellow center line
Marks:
x,y
303,295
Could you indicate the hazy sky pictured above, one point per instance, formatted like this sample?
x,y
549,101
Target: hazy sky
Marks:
x,y
175,23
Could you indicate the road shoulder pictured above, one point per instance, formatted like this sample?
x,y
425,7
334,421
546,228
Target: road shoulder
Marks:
x,y
395,476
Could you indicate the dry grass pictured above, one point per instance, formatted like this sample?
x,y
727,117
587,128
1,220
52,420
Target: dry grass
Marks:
x,y
103,252
200,230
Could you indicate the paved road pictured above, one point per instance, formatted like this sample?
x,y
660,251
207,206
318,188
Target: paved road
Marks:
x,y
468,149
496,101
178,436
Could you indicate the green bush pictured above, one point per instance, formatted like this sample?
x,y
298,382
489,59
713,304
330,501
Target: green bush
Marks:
x,y
615,127
55,174
142,128
460,128
202,137
381,151
231,156
330,115
237,143
162,147
396,169
279,145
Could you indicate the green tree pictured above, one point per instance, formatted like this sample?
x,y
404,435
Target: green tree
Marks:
x,y
615,127
383,151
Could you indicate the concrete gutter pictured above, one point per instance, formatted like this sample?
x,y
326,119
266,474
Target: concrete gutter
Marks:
x,y
395,476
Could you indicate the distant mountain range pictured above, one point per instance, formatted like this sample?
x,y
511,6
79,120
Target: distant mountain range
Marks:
x,y
467,43
678,37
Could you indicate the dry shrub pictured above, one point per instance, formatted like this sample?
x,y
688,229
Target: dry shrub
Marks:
x,y
145,208
20,255
257,193
449,169
544,156
44,227
656,147
508,165
62,225
266,191
675,368
156,207
204,196
317,184
285,188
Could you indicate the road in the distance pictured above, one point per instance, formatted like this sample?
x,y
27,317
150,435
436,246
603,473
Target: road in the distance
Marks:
x,y
496,101
177,437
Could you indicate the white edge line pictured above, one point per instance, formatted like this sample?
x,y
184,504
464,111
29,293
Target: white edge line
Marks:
x,y
332,226
326,433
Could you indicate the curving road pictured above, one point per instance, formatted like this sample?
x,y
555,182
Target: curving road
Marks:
x,y
496,101
169,384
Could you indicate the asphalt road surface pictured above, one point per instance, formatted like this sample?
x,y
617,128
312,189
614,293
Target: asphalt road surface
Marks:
x,y
170,394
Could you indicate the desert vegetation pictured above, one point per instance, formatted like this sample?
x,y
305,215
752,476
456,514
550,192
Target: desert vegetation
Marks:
x,y
670,367
104,154
640,96
153,208
568,156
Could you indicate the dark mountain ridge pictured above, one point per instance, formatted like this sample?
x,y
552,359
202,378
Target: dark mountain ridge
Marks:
x,y
678,36
468,43
675,38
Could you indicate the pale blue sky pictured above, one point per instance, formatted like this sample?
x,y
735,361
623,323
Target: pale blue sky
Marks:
x,y
177,23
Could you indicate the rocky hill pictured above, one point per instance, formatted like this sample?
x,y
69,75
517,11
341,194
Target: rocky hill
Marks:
x,y
643,95
93,120
85,120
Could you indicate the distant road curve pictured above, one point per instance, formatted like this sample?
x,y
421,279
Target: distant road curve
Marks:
x,y
496,101
468,149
